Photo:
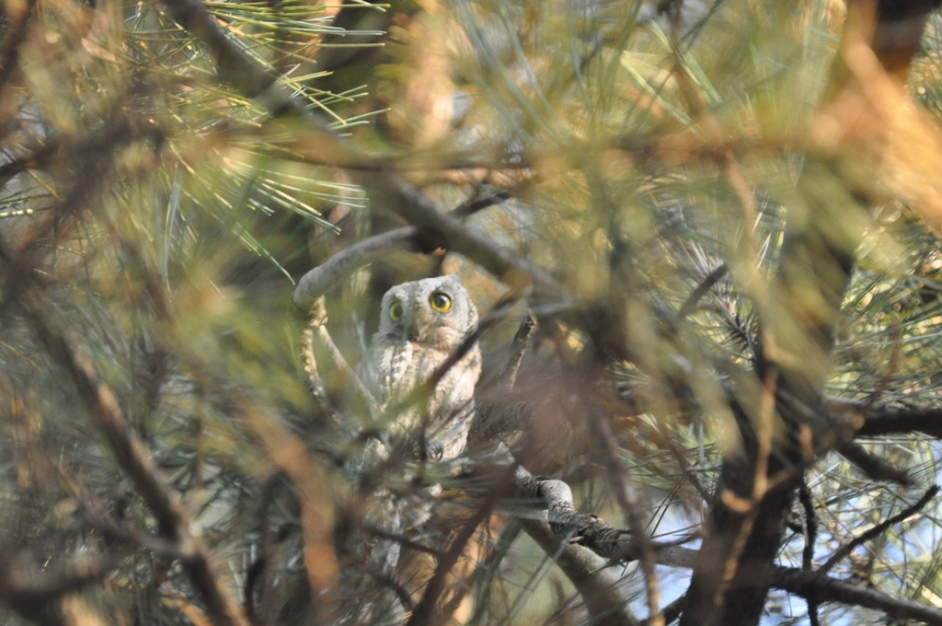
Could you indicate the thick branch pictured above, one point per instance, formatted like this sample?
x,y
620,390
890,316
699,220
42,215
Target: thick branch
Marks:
x,y
317,281
618,546
826,589
584,565
886,421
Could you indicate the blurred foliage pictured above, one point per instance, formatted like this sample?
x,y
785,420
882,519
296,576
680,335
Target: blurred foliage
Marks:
x,y
167,223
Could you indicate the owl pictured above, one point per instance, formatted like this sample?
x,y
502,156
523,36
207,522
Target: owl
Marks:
x,y
422,323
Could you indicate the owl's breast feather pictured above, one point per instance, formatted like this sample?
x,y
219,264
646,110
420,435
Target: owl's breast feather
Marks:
x,y
395,365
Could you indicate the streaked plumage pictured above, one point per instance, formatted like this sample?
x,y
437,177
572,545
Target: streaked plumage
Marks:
x,y
422,323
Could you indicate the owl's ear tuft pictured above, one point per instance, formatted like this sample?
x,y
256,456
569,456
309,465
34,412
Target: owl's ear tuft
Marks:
x,y
454,279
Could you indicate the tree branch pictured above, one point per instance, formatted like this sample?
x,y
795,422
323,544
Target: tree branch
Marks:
x,y
619,546
878,530
818,253
826,589
173,519
583,563
887,421
317,281
387,188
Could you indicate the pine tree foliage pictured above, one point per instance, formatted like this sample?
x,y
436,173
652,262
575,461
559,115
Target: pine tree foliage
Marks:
x,y
713,227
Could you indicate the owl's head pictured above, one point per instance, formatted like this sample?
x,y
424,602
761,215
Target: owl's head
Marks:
x,y
435,312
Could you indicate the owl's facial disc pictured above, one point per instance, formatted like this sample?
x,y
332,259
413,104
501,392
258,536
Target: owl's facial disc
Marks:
x,y
404,323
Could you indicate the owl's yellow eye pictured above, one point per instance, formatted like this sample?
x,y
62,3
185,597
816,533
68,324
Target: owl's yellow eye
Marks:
x,y
440,302
395,310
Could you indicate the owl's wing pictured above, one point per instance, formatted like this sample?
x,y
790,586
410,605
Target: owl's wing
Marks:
x,y
452,406
448,430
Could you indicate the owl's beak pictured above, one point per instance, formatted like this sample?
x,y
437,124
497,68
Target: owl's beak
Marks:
x,y
405,330
412,329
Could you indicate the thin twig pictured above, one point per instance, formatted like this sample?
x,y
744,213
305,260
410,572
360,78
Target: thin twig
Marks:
x,y
408,542
473,205
690,304
518,347
877,530
807,554
811,526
